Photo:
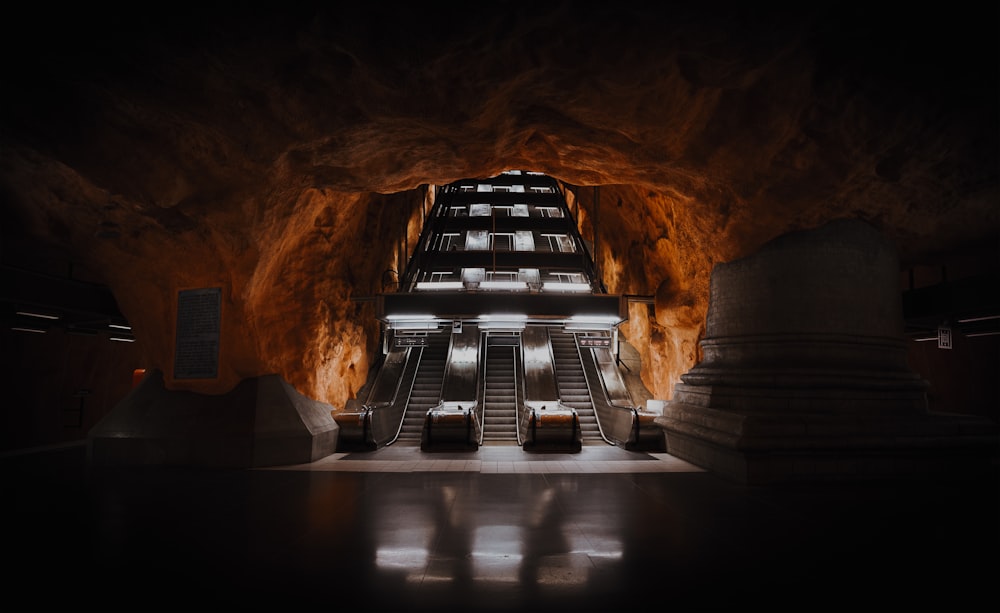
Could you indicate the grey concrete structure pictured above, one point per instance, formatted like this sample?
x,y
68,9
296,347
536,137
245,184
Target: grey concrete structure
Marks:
x,y
804,374
262,422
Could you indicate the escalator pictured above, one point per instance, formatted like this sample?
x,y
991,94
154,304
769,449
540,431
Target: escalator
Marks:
x,y
572,384
500,396
426,391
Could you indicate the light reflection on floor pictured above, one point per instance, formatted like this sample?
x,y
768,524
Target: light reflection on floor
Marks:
x,y
177,539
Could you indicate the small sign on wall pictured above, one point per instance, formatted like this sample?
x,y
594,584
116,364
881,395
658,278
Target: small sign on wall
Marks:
x,y
944,337
411,341
199,315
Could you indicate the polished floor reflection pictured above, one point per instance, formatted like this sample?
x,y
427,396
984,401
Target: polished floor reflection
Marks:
x,y
544,532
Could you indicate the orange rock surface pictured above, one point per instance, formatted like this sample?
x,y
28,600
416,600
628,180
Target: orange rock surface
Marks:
x,y
284,156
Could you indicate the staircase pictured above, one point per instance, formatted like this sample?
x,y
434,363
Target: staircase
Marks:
x,y
426,392
572,383
500,405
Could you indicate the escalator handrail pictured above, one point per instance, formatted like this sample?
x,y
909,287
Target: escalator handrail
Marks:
x,y
413,380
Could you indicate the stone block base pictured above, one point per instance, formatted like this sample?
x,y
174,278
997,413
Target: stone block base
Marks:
x,y
757,449
261,422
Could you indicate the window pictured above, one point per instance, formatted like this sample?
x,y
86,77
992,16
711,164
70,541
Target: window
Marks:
x,y
524,240
502,241
501,275
450,241
568,277
560,243
549,211
477,240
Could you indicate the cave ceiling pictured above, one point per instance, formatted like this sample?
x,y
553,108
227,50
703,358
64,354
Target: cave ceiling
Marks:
x,y
234,139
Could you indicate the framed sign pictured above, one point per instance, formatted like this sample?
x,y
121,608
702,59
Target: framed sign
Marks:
x,y
944,337
199,318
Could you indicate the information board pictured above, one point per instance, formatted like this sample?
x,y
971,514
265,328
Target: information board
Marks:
x,y
199,315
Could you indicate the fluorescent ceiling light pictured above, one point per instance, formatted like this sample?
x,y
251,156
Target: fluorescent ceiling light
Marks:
x,y
504,317
413,317
38,315
595,319
565,287
440,285
972,319
508,285
414,325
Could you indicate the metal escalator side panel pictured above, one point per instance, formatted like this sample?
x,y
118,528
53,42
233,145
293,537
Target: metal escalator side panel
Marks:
x,y
611,378
547,422
387,382
455,420
461,385
539,372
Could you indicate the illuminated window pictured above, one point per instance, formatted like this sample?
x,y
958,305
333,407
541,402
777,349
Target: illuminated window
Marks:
x,y
524,240
477,240
560,243
549,211
479,210
568,277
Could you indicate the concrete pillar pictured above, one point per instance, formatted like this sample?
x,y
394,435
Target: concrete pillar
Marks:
x,y
804,375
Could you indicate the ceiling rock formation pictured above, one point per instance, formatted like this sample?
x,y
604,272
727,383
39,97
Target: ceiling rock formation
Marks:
x,y
282,154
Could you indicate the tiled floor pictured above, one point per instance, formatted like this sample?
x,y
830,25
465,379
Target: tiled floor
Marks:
x,y
494,458
493,530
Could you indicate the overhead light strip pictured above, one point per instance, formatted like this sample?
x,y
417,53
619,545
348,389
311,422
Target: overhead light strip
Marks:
x,y
38,315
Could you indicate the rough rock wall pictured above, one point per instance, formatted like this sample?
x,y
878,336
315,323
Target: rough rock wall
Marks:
x,y
278,153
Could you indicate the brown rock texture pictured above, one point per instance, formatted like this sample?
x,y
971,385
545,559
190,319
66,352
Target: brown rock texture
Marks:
x,y
284,154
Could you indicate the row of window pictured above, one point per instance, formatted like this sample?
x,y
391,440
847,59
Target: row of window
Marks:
x,y
521,279
510,189
482,209
484,240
